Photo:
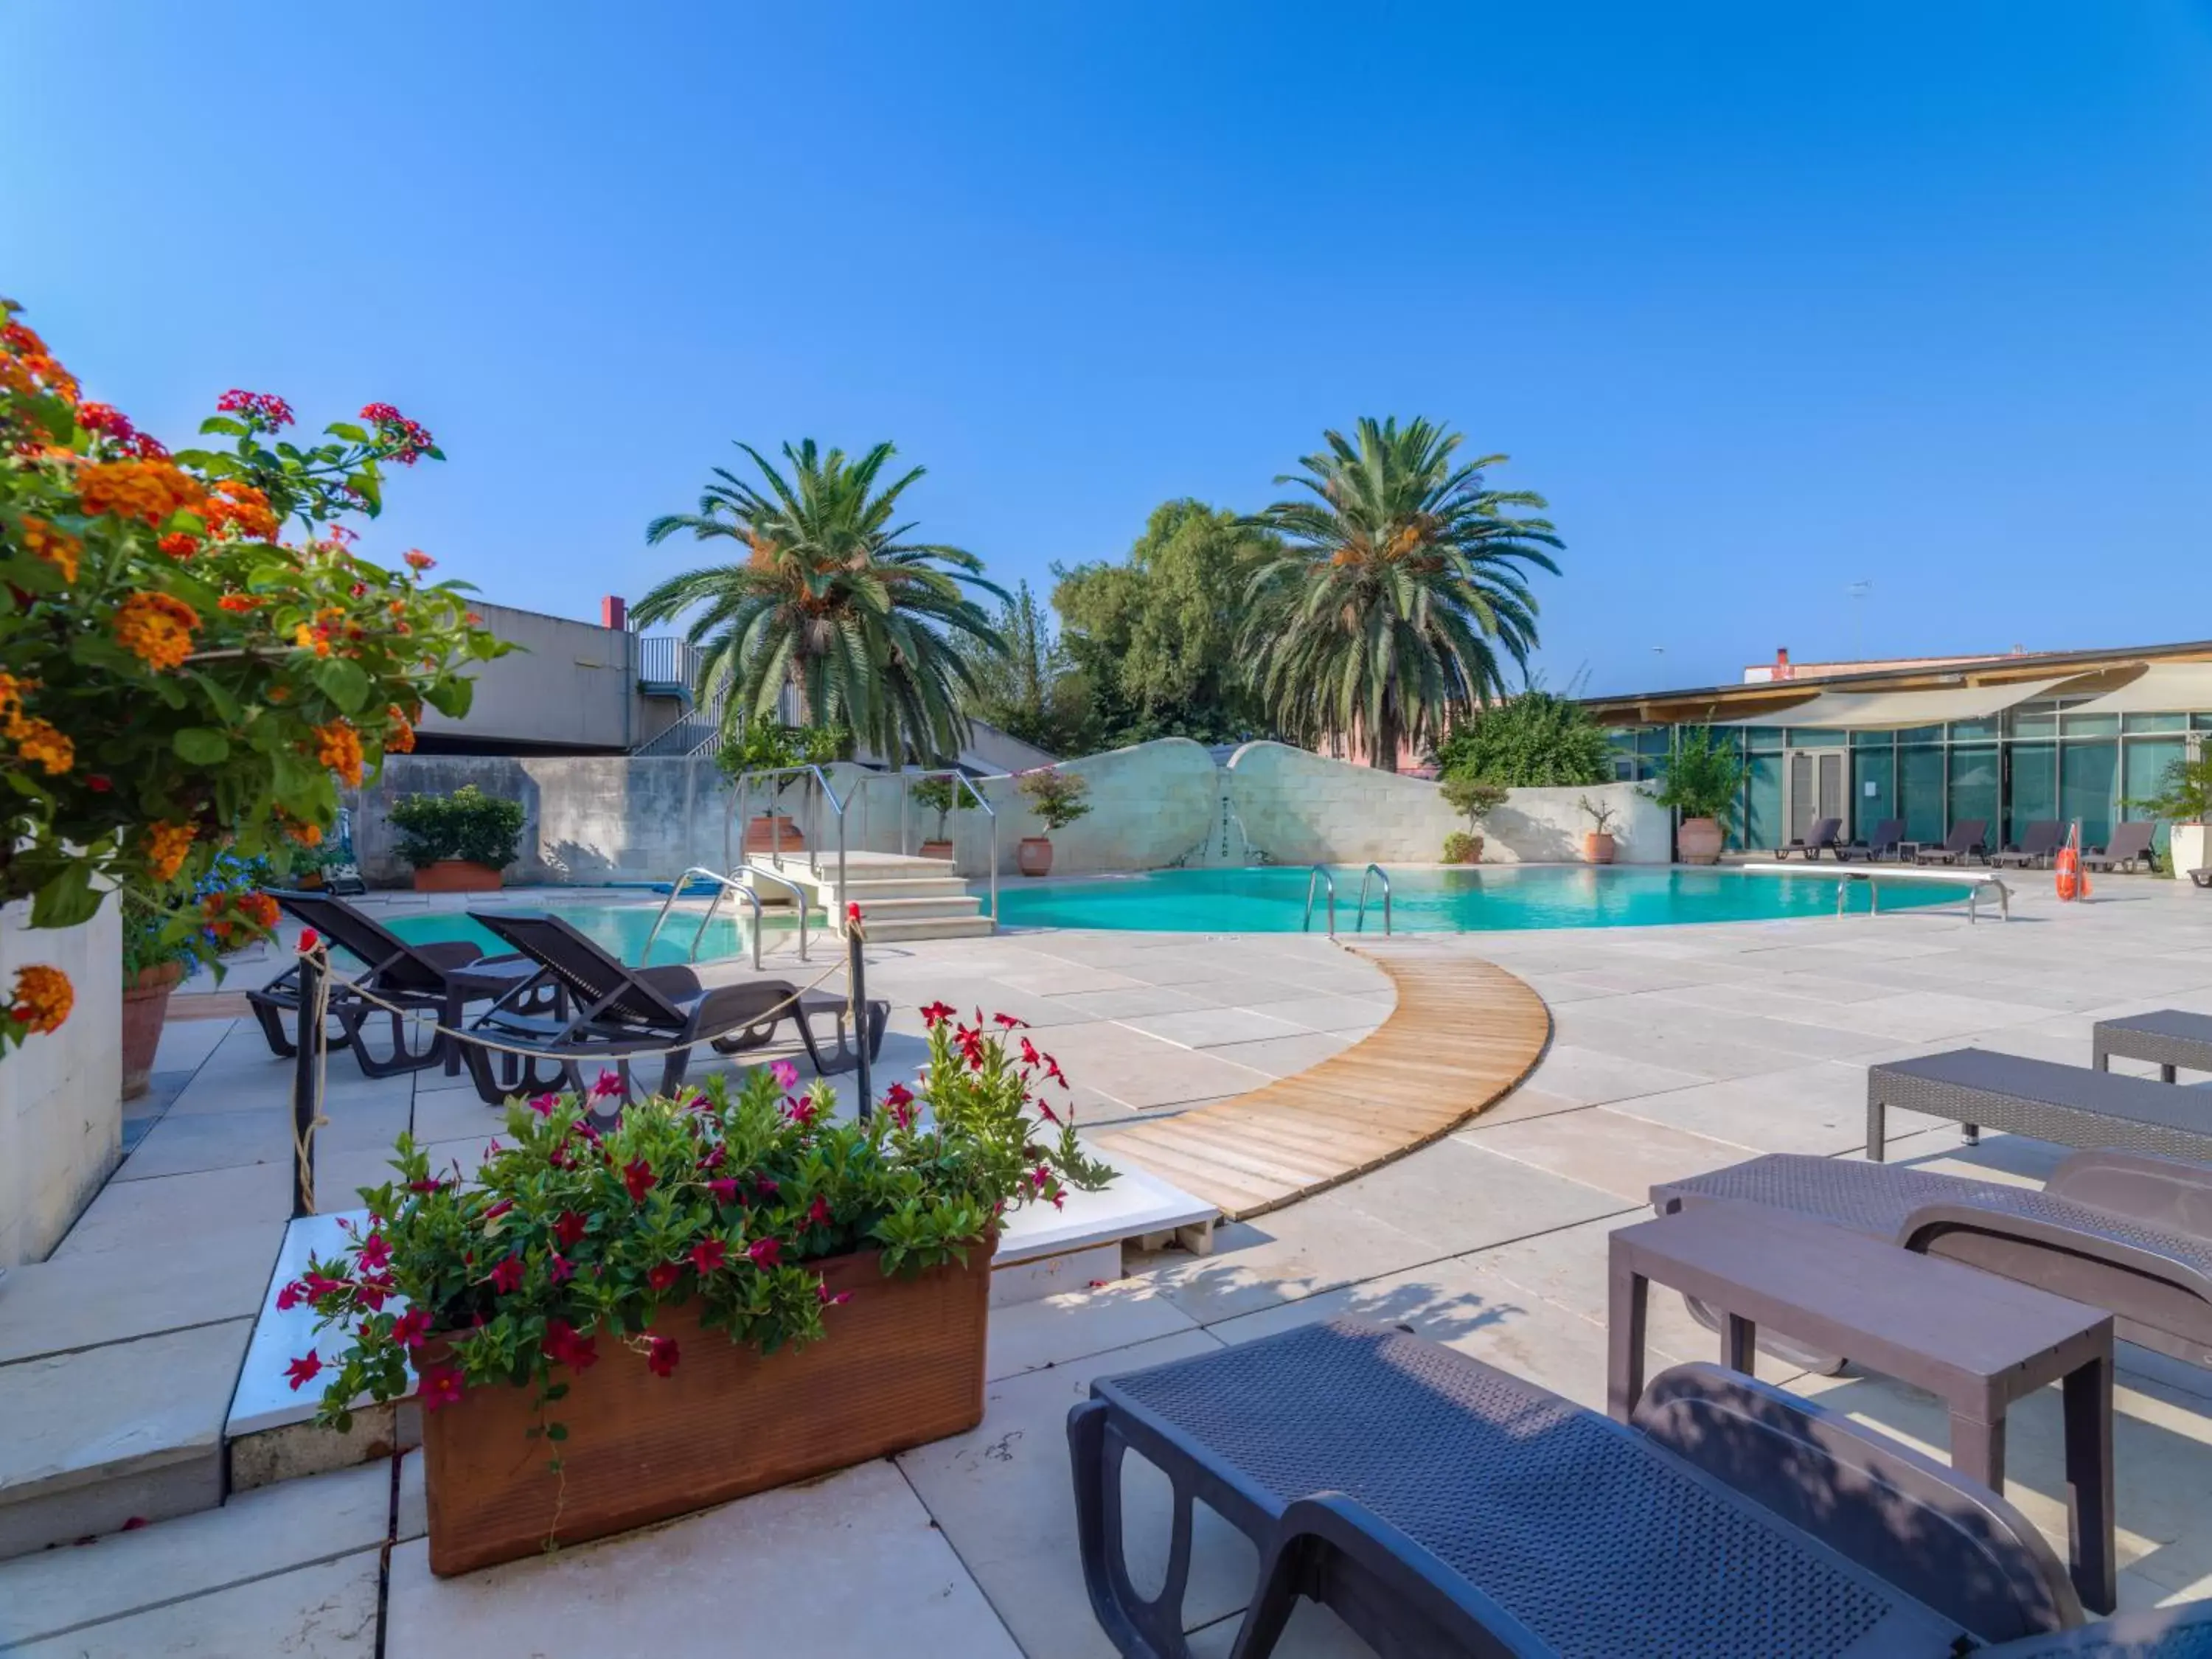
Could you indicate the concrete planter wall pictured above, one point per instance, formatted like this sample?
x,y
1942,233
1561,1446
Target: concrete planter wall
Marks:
x,y
2186,848
61,1111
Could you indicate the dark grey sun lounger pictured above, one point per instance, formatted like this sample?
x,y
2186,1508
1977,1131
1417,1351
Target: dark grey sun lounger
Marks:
x,y
1881,843
2118,1230
1969,839
2070,1104
2039,841
2131,845
2202,877
1822,835
439,979
617,1011
1443,1508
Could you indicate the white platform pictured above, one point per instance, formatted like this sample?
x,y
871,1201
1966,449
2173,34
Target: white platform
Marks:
x,y
1137,1204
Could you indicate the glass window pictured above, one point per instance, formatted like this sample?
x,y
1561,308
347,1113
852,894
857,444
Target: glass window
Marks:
x,y
1974,785
1973,729
2143,766
1655,740
1762,739
1921,734
2081,725
1805,737
1920,792
1874,789
2153,722
2033,721
1763,818
2035,788
1874,739
2087,775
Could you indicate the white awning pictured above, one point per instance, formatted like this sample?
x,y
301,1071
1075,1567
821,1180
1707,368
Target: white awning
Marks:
x,y
2164,688
1898,711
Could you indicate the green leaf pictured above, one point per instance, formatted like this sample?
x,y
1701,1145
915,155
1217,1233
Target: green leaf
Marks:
x,y
220,696
203,745
224,425
68,899
450,694
343,682
348,430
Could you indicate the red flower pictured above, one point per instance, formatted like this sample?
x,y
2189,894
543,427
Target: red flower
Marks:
x,y
178,545
393,427
766,1187
801,1112
660,1358
433,1185
411,1328
544,1104
725,1189
662,1275
821,1295
606,1084
373,1293
102,417
638,1176
818,1214
1008,1021
898,1101
937,1012
766,1252
558,1269
1029,1053
1043,1110
707,1254
303,1369
499,1209
506,1277
565,1347
98,785
319,1286
261,409
309,938
441,1387
568,1229
288,1298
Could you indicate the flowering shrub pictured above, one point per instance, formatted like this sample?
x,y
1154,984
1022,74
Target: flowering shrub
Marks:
x,y
175,678
576,1235
465,824
1055,796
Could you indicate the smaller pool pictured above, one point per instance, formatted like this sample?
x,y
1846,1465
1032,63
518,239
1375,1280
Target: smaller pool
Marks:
x,y
621,928
1472,899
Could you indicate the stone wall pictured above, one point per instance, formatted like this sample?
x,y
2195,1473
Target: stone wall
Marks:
x,y
620,817
61,1110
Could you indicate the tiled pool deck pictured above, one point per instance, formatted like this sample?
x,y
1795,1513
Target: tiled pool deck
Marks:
x,y
1675,1050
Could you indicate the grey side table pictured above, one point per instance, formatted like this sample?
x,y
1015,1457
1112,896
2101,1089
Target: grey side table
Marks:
x,y
1976,1341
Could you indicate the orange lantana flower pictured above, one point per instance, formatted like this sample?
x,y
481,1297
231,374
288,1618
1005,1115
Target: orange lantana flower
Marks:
x,y
166,846
149,490
239,603
55,547
43,998
338,746
156,628
244,509
178,545
399,739
306,831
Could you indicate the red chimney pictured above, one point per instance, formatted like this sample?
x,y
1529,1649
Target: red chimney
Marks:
x,y
1783,670
614,612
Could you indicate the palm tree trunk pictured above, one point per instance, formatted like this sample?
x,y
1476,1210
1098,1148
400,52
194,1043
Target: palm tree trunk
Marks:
x,y
1382,753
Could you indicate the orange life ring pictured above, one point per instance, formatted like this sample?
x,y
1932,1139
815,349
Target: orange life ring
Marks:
x,y
2072,883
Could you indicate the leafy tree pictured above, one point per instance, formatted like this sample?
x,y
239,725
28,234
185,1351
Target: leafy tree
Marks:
x,y
1536,740
829,597
1399,593
1154,637
1704,777
1032,691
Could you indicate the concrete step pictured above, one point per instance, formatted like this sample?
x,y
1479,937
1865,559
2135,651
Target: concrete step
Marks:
x,y
900,910
914,887
915,928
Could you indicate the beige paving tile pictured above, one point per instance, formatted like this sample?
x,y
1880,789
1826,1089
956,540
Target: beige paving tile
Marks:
x,y
1055,1330
1207,1028
1137,1001
1605,1149
327,1611
82,1300
1459,1195
172,1209
1285,1056
1309,1246
1592,1077
210,1140
1819,1109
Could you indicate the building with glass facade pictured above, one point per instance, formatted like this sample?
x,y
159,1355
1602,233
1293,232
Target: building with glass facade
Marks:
x,y
2077,737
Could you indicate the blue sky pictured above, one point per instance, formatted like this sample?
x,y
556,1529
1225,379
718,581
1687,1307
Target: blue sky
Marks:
x,y
1766,298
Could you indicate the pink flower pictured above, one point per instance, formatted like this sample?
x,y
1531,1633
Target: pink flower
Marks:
x,y
559,1270
606,1084
1048,1115
319,1286
709,1255
568,1229
818,1214
698,1103
544,1104
660,1358
303,1369
506,1277
564,1346
375,1254
373,1293
411,1328
1008,1021
766,1187
433,1185
786,1075
638,1176
937,1012
288,1298
499,1209
766,1252
821,1295
725,1189
440,1386
801,1112
662,1275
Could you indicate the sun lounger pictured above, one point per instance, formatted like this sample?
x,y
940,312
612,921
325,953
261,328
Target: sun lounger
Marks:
x,y
1969,838
439,979
1821,835
1881,844
2130,846
616,1011
2169,1038
2202,877
1441,1507
2070,1104
2039,843
2119,1230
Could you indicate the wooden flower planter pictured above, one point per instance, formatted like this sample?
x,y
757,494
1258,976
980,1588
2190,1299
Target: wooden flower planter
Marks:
x,y
457,876
769,834
902,1364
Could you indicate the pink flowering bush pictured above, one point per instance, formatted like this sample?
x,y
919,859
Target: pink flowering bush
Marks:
x,y
572,1237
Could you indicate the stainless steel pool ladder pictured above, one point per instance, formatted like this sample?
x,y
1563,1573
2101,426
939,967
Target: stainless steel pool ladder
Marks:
x,y
1374,872
1320,873
725,885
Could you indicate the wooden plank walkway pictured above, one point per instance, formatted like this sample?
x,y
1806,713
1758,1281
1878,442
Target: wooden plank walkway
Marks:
x,y
1464,1032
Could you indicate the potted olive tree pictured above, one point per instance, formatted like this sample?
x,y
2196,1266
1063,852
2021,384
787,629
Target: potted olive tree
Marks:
x,y
1057,798
940,793
2185,800
1477,797
457,844
1702,781
1598,845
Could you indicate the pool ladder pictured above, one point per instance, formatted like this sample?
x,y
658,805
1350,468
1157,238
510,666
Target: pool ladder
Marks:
x,y
1321,873
724,886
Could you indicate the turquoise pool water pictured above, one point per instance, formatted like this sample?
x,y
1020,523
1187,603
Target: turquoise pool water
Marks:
x,y
621,928
1488,896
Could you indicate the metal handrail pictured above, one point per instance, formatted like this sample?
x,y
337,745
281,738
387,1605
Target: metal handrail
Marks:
x,y
1320,873
992,813
821,789
797,897
1372,870
722,884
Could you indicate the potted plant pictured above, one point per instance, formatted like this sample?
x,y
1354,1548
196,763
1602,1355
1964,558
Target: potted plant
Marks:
x,y
940,793
1702,781
1477,797
1057,798
763,747
457,844
719,1294
2185,800
1598,845
161,942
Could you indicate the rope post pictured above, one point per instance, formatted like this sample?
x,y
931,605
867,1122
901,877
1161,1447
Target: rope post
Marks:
x,y
307,1048
856,969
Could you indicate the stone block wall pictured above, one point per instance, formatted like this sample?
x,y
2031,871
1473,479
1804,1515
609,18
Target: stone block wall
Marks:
x,y
61,1109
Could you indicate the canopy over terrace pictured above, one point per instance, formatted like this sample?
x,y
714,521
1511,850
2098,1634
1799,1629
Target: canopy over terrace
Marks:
x,y
1899,711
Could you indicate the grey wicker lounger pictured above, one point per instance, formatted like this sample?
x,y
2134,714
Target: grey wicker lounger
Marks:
x,y
2131,845
2070,1104
1443,1508
2119,1230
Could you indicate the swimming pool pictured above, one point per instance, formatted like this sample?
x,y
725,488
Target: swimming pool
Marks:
x,y
621,928
1468,900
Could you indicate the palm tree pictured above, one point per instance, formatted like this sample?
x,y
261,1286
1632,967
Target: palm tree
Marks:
x,y
1398,591
873,631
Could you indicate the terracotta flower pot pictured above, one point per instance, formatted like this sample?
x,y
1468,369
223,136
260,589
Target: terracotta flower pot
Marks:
x,y
457,876
902,1364
1699,840
770,831
145,1004
1597,849
1033,856
937,849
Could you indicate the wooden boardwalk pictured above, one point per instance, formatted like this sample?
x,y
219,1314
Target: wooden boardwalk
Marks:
x,y
1463,1033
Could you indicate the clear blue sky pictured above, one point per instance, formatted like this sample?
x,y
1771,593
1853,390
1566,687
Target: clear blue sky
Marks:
x,y
1766,297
